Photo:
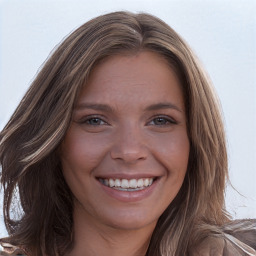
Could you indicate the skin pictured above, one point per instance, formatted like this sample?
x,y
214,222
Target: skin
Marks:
x,y
140,131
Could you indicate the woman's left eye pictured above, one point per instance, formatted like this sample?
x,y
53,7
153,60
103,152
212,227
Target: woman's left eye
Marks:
x,y
162,121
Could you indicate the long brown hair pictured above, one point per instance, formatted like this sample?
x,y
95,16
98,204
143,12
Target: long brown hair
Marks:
x,y
29,142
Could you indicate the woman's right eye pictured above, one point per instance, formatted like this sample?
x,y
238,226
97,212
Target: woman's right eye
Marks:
x,y
95,121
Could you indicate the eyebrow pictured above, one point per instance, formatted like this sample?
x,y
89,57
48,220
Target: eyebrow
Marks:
x,y
107,108
102,107
163,105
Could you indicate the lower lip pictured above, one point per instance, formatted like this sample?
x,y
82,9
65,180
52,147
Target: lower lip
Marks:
x,y
129,196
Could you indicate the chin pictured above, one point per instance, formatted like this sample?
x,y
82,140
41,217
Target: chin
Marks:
x,y
131,220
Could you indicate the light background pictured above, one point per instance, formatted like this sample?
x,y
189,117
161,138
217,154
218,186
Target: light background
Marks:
x,y
221,32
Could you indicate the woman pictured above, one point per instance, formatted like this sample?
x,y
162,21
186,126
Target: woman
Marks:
x,y
118,148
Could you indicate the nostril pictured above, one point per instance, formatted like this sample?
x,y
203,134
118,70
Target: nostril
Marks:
x,y
129,157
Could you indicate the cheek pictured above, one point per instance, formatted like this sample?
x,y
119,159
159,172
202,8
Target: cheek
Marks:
x,y
179,149
175,159
173,151
81,152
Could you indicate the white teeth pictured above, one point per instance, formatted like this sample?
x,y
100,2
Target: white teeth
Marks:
x,y
127,185
146,182
117,183
111,183
140,183
133,183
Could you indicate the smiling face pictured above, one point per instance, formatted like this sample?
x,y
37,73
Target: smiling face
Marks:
x,y
125,154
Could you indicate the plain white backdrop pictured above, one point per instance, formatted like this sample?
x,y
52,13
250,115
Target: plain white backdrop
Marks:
x,y
221,32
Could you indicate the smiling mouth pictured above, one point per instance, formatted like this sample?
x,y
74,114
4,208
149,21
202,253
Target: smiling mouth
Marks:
x,y
127,185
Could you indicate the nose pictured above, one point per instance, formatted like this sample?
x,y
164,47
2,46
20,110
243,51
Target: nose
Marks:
x,y
129,146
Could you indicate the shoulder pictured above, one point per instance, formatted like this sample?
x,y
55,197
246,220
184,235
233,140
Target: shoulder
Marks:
x,y
236,238
240,235
10,250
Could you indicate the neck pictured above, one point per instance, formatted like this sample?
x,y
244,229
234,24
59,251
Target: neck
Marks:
x,y
93,238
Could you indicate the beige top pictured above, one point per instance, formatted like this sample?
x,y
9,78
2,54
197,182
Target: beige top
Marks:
x,y
9,249
229,246
237,239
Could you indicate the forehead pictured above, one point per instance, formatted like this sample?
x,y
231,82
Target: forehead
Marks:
x,y
141,76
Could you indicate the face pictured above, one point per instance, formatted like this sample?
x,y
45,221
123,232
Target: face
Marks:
x,y
126,152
